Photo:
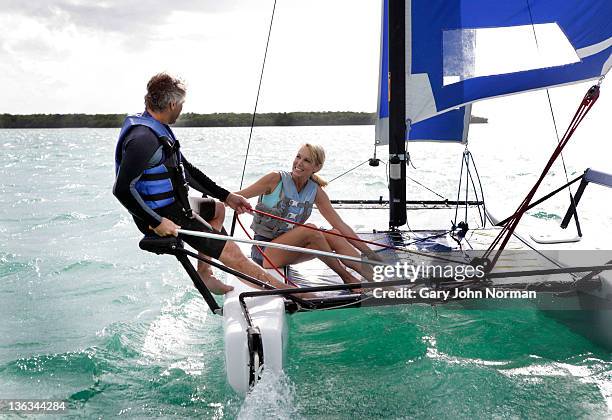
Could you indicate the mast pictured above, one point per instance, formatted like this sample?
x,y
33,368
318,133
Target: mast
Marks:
x,y
397,113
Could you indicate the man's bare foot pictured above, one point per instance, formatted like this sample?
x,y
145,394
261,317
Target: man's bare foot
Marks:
x,y
367,272
216,286
307,295
357,290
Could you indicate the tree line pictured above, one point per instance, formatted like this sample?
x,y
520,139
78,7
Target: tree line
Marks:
x,y
196,120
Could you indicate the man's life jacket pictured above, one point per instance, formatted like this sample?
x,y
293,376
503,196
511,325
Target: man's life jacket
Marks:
x,y
290,205
164,183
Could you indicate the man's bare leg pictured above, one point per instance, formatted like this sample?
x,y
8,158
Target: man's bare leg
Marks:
x,y
233,257
205,271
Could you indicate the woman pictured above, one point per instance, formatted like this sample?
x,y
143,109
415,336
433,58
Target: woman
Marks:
x,y
291,195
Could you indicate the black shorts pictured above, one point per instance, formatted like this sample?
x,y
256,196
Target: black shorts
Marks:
x,y
205,208
257,256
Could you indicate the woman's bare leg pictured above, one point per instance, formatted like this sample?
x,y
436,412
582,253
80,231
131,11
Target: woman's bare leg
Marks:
x,y
343,246
305,238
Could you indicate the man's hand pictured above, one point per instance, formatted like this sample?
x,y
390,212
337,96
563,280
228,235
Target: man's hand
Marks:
x,y
165,228
238,203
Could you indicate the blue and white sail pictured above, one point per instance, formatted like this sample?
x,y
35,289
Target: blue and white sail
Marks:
x,y
451,126
462,51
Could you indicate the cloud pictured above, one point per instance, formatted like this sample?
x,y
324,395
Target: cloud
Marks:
x,y
35,47
128,17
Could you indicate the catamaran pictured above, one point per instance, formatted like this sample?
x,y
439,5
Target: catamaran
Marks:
x,y
433,66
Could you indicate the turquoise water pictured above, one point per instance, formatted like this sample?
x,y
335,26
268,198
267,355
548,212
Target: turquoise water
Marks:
x,y
88,317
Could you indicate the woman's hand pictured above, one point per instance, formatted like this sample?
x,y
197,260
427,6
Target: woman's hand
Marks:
x,y
238,203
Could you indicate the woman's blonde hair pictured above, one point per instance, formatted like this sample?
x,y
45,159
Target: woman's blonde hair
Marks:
x,y
317,153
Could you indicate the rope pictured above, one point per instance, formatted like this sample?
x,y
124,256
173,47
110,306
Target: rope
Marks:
x,y
546,197
585,106
246,156
552,114
354,238
321,230
261,251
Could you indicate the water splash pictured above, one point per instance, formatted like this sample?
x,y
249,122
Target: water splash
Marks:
x,y
272,397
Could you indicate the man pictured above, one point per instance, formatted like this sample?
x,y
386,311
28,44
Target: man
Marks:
x,y
151,182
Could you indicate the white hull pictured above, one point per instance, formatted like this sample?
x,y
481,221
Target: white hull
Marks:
x,y
268,314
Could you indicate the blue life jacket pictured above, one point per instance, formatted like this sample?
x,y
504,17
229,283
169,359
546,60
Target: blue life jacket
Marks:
x,y
291,204
164,183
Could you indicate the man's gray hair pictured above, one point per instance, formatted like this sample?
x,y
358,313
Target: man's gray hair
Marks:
x,y
162,90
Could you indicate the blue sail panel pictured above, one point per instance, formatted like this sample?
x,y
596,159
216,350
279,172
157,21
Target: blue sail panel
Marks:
x,y
451,126
448,64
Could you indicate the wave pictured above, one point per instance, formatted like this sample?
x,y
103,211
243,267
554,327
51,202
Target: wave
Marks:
x,y
10,265
84,264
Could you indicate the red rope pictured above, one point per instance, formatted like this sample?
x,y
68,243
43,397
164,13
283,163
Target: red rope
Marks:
x,y
585,106
329,232
265,256
422,254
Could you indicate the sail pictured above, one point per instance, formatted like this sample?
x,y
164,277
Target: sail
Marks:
x,y
451,126
462,51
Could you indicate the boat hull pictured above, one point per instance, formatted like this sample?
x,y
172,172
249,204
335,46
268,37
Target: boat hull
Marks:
x,y
268,315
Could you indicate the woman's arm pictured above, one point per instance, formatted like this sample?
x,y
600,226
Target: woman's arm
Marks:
x,y
264,185
332,216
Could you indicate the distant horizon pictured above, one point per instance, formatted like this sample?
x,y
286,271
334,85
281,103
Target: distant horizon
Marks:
x,y
189,112
190,119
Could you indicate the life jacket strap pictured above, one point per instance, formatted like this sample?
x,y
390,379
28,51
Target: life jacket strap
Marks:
x,y
158,197
179,180
155,177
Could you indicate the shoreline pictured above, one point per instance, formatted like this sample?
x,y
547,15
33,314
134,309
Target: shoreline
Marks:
x,y
272,119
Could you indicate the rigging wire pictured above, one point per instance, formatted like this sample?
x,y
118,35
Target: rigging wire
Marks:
x,y
350,170
407,177
386,170
263,66
427,188
504,235
552,112
533,248
484,208
480,213
459,188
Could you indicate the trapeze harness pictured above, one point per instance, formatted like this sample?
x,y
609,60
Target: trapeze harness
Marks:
x,y
285,202
164,183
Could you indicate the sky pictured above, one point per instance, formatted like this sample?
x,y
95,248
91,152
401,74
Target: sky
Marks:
x,y
83,56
